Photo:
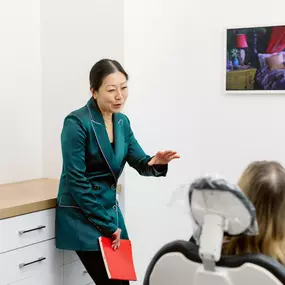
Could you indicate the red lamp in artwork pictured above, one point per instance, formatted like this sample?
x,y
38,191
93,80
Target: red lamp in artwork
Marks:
x,y
241,43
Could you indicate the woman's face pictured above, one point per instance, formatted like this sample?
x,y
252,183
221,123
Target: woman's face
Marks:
x,y
113,93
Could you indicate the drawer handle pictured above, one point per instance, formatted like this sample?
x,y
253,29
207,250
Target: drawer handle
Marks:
x,y
21,265
31,230
84,272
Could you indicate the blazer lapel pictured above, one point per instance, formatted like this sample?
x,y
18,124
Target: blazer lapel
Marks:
x,y
119,136
98,126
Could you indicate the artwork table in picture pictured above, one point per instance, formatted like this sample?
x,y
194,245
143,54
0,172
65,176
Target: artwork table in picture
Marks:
x,y
241,79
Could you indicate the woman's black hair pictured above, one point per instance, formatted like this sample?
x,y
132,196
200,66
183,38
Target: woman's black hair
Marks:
x,y
102,69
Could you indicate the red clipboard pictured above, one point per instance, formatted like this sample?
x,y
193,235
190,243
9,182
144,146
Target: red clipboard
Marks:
x,y
119,263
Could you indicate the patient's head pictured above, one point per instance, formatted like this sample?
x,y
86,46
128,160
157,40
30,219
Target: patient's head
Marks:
x,y
263,182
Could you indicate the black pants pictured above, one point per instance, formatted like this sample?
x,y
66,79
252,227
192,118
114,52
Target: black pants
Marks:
x,y
94,264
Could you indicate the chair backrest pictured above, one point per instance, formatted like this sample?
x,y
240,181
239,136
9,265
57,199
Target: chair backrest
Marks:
x,y
179,263
216,207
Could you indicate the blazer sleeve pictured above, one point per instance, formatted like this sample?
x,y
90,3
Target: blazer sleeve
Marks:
x,y
73,140
137,158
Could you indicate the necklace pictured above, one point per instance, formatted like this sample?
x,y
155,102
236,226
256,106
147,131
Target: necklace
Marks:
x,y
108,123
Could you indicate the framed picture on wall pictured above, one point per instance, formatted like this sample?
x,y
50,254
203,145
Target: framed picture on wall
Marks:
x,y
255,59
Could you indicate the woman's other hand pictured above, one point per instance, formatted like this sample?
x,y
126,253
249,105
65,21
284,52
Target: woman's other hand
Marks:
x,y
116,239
163,157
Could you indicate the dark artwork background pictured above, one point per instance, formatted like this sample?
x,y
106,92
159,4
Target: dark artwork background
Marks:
x,y
257,40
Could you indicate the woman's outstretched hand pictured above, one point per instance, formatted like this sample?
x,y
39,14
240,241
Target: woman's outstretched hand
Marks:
x,y
163,157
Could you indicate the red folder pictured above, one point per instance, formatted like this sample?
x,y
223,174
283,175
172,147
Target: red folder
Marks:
x,y
119,263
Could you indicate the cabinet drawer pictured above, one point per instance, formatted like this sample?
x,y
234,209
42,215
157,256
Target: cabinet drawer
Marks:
x,y
69,256
75,274
27,229
26,281
39,261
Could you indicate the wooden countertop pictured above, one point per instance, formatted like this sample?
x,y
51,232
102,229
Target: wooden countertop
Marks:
x,y
27,197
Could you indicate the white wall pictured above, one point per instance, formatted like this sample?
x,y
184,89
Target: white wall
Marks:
x,y
21,91
47,50
75,34
174,52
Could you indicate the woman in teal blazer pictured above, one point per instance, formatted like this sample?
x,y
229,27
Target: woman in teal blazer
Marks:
x,y
97,141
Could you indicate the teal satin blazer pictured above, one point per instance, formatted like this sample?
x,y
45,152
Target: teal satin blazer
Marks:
x,y
86,202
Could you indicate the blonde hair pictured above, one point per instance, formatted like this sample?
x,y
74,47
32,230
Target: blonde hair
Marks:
x,y
263,182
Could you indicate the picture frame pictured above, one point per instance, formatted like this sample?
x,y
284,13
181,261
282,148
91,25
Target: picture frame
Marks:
x,y
254,60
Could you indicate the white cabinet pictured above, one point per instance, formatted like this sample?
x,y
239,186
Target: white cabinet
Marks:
x,y
27,229
28,255
26,281
41,260
69,256
75,274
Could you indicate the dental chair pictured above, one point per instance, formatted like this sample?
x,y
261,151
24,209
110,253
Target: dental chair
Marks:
x,y
217,208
